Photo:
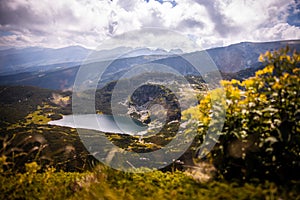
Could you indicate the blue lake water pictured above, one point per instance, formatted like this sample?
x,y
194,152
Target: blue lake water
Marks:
x,y
104,123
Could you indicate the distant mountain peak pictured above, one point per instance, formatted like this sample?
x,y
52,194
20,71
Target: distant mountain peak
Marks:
x,y
232,58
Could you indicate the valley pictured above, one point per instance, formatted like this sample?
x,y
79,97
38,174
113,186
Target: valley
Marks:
x,y
43,126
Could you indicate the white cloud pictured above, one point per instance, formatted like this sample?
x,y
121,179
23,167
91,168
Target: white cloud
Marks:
x,y
89,22
279,31
253,20
152,38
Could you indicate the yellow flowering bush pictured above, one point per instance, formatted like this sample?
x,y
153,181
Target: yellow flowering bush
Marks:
x,y
261,135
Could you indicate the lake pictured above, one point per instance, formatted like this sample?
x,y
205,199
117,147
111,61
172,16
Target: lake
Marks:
x,y
103,123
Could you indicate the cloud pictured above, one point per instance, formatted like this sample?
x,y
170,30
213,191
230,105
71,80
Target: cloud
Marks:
x,y
90,22
279,31
57,24
222,22
152,38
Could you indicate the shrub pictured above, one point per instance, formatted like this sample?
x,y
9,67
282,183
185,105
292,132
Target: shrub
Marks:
x,y
261,135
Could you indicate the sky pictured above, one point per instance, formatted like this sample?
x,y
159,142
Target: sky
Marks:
x,y
56,24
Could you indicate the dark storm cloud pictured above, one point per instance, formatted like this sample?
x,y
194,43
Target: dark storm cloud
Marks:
x,y
221,22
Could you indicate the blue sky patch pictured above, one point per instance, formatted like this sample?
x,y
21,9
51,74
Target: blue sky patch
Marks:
x,y
174,3
5,33
294,14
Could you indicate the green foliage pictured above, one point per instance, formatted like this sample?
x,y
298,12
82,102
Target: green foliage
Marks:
x,y
47,145
106,183
34,185
260,138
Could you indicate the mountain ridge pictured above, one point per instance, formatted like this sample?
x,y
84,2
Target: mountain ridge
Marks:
x,y
229,60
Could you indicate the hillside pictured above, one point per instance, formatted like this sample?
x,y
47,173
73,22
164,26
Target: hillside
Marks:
x,y
230,60
256,157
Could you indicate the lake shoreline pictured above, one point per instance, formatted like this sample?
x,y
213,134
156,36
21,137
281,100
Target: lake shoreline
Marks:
x,y
103,123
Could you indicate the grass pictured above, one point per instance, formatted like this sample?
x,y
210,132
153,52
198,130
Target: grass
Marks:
x,y
39,117
106,183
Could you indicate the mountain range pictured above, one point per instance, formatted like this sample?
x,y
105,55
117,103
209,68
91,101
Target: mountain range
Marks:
x,y
57,68
32,59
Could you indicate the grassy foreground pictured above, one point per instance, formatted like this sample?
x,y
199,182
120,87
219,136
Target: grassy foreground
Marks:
x,y
106,183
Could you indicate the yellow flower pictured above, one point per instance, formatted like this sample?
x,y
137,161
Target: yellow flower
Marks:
x,y
277,86
261,58
234,81
285,75
32,167
248,83
269,69
268,54
259,72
